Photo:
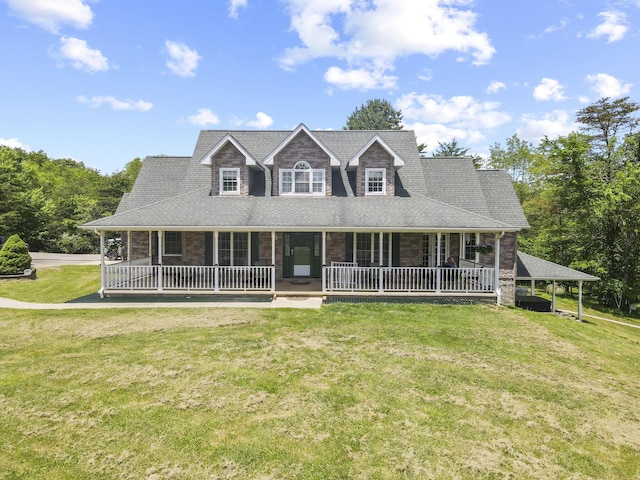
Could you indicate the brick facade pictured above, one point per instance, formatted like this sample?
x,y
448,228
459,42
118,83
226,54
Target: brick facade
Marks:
x,y
302,148
230,157
375,157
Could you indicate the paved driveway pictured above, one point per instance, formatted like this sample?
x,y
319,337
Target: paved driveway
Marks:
x,y
41,259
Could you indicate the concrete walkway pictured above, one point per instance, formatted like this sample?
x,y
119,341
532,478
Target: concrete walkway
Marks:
x,y
280,302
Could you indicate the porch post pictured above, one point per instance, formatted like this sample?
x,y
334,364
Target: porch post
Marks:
x,y
354,253
249,249
160,250
390,259
579,300
324,248
438,265
129,247
381,249
273,247
150,248
102,266
497,288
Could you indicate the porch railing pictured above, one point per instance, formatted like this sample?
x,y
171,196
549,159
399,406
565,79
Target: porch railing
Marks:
x,y
408,279
124,277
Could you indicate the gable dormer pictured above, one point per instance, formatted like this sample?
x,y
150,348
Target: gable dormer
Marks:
x,y
302,165
231,167
375,167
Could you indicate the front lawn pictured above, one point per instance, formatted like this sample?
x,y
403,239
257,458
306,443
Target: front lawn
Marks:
x,y
349,391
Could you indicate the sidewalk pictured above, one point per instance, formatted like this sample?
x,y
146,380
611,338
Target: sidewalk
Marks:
x,y
575,314
280,302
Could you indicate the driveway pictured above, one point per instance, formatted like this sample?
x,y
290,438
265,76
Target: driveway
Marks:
x,y
42,259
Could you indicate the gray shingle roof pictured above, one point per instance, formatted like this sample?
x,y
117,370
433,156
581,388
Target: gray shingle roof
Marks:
x,y
441,194
534,268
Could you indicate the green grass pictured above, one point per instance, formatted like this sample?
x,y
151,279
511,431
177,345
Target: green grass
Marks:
x,y
349,391
54,284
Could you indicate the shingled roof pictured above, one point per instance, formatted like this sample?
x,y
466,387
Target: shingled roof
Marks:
x,y
432,194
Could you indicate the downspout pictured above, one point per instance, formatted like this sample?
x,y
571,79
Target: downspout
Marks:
x,y
102,266
498,289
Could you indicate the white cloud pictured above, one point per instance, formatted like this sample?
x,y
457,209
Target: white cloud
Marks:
x,y
14,143
495,86
552,125
234,6
549,89
52,14
614,27
361,79
115,104
459,111
262,121
372,35
607,86
432,133
80,55
182,60
204,117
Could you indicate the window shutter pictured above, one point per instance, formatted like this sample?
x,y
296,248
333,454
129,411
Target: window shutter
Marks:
x,y
348,247
395,249
208,248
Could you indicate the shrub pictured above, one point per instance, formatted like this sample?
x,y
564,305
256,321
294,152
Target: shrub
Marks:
x,y
14,256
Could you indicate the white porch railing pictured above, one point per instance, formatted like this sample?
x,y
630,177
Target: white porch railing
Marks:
x,y
124,277
408,279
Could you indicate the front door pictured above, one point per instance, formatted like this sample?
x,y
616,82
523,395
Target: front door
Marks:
x,y
302,255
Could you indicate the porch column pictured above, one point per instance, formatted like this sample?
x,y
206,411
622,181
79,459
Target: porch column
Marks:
x,y
497,268
273,248
390,259
579,300
553,297
354,253
249,249
216,267
438,265
160,250
381,249
102,266
324,248
150,247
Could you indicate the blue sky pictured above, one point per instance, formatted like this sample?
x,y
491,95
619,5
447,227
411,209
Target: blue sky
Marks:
x,y
105,81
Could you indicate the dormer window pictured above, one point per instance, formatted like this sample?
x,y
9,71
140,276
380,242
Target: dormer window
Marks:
x,y
229,181
302,180
375,179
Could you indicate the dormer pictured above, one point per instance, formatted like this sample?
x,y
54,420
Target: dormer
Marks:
x,y
231,168
375,167
302,165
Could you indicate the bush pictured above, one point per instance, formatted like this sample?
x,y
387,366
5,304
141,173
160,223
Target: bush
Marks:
x,y
14,256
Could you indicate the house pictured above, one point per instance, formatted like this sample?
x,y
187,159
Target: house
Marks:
x,y
339,211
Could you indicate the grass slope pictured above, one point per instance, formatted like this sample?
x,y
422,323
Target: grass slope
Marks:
x,y
350,391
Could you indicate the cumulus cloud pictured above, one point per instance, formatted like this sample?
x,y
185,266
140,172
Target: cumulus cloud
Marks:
x,y
549,89
372,36
183,61
262,121
495,86
115,104
204,117
608,86
52,14
359,78
234,6
552,125
14,143
81,56
614,27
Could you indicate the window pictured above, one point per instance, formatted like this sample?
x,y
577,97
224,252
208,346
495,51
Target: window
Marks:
x,y
229,181
368,249
301,179
172,243
429,250
375,179
470,242
233,248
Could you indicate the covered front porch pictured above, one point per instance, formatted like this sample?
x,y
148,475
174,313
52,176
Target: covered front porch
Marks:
x,y
326,263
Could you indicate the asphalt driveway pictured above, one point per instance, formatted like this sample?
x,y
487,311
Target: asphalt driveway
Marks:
x,y
42,259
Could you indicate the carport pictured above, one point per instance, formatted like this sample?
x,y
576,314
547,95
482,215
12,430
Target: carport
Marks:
x,y
530,268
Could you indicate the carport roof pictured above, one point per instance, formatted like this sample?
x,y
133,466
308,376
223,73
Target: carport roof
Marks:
x,y
534,268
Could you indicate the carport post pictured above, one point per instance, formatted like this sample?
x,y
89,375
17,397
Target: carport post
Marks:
x,y
579,300
553,296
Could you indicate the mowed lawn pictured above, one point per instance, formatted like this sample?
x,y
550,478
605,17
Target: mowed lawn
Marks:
x,y
348,391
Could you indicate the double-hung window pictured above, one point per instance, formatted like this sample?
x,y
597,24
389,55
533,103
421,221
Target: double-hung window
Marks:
x,y
172,243
229,181
302,180
375,181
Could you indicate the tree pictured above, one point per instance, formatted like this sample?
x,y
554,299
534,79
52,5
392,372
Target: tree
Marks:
x,y
376,114
14,256
605,119
454,149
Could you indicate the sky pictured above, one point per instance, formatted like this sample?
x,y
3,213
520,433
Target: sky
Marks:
x,y
106,81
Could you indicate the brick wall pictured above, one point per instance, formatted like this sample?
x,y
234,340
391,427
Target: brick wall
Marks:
x,y
302,147
229,157
375,157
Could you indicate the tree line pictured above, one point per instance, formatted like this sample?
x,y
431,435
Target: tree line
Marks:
x,y
43,200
